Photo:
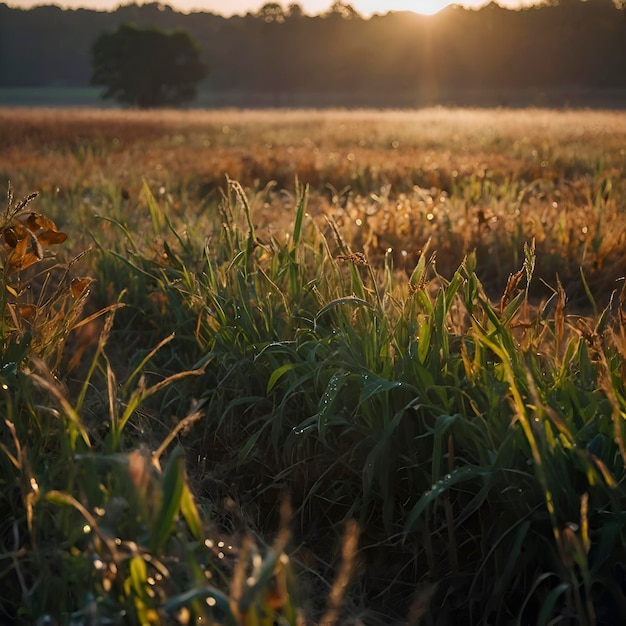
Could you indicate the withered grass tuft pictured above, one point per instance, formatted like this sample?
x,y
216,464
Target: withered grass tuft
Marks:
x,y
394,396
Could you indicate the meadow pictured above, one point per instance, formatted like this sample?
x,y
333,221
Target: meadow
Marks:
x,y
313,367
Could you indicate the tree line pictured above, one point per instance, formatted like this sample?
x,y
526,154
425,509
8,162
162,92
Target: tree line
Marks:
x,y
559,51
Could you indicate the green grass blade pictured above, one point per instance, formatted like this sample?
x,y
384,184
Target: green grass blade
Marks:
x,y
440,487
173,488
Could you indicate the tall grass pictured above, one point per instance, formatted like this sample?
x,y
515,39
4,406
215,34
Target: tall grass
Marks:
x,y
478,443
96,528
189,401
483,180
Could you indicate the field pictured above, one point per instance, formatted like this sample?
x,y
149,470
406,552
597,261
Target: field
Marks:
x,y
313,367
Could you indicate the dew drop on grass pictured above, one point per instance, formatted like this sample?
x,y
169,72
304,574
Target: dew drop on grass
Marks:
x,y
211,601
86,529
183,616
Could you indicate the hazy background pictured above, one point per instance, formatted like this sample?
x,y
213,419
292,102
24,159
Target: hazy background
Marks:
x,y
566,53
231,7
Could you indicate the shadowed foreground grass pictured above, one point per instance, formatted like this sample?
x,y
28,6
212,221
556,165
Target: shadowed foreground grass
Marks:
x,y
212,424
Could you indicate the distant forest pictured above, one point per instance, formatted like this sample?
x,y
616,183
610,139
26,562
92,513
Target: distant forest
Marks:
x,y
564,52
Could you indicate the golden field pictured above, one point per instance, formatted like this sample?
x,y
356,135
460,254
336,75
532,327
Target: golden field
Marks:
x,y
467,179
399,400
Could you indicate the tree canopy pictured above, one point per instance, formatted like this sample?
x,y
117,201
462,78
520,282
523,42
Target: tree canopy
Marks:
x,y
147,67
561,52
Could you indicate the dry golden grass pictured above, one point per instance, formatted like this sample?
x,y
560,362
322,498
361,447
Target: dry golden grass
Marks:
x,y
469,179
439,144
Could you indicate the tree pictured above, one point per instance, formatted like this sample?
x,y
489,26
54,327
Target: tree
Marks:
x,y
295,10
342,10
147,67
272,12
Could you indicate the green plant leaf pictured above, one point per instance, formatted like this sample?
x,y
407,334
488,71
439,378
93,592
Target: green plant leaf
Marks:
x,y
353,300
458,475
277,374
547,608
173,487
329,399
222,603
190,512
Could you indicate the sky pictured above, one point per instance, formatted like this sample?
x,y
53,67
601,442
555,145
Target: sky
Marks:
x,y
240,7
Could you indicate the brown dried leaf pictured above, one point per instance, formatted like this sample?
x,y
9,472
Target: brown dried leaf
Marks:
x,y
11,236
21,262
37,221
51,237
27,311
22,257
78,286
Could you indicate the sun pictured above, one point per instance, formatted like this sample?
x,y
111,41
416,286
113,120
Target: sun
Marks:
x,y
424,7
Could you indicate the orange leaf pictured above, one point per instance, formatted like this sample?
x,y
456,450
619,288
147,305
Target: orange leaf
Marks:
x,y
26,260
50,237
21,257
37,221
27,311
78,286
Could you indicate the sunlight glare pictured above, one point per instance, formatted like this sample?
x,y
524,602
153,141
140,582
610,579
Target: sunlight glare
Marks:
x,y
423,7
427,7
